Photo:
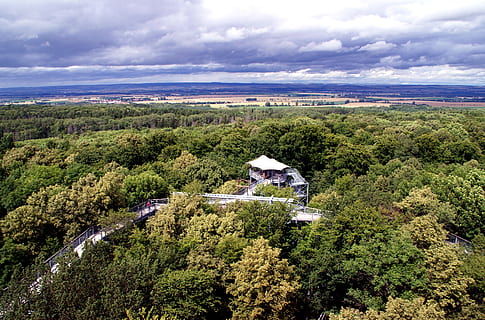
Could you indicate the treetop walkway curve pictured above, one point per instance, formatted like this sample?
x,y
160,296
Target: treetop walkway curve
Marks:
x,y
96,233
151,206
146,209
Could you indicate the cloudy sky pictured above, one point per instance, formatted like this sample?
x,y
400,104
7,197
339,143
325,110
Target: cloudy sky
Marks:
x,y
52,42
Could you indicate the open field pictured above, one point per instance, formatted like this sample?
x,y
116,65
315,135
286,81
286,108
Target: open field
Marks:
x,y
215,101
219,95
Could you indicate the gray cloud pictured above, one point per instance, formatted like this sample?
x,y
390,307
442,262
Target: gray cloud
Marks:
x,y
54,41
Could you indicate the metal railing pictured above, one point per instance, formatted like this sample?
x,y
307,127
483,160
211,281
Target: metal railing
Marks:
x,y
307,214
144,210
148,208
454,239
80,239
245,198
147,204
256,175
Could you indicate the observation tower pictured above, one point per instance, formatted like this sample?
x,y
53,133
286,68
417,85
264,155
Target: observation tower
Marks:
x,y
264,170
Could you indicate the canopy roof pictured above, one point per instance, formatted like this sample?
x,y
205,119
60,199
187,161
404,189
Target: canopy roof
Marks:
x,y
265,163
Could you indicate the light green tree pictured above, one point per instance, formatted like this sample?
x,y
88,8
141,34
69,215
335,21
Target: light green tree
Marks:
x,y
447,284
171,220
86,201
425,231
212,238
228,187
28,225
184,161
467,195
421,201
396,309
264,284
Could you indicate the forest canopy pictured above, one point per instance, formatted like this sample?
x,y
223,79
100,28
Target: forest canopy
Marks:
x,y
393,183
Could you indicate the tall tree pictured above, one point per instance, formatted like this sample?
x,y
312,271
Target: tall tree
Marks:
x,y
264,285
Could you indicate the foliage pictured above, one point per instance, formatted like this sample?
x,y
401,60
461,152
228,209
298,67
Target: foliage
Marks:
x,y
143,186
114,219
274,191
391,183
185,294
423,201
264,285
467,195
172,219
142,314
356,258
29,226
228,187
387,265
270,221
396,309
474,267
13,258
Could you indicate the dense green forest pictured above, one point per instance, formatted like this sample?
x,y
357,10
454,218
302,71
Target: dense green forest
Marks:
x,y
392,181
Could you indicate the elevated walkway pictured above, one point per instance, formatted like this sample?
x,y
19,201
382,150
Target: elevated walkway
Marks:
x,y
301,213
96,233
454,239
151,206
224,198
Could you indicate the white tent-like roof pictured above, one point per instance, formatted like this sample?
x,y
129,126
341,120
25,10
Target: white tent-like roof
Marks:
x,y
265,163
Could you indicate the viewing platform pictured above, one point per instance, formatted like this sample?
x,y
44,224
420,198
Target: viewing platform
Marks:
x,y
265,170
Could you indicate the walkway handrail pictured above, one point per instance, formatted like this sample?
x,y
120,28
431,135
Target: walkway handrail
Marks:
x,y
147,204
149,207
245,197
73,244
144,210
454,239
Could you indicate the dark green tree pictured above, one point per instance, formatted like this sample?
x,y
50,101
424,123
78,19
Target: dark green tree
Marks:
x,y
143,186
270,221
186,294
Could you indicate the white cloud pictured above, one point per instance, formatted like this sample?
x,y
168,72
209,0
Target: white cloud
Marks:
x,y
124,55
391,60
349,35
441,74
377,46
331,45
230,34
